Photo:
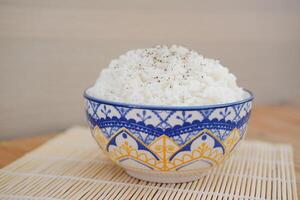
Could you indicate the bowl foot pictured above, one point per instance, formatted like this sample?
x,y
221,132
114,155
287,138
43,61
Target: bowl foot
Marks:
x,y
160,177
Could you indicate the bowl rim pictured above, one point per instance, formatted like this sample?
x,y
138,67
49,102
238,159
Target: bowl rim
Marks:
x,y
158,107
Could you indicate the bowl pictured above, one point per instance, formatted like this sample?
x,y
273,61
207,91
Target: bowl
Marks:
x,y
167,144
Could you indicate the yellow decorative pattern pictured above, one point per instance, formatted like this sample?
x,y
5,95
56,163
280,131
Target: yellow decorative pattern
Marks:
x,y
232,140
164,147
163,154
100,138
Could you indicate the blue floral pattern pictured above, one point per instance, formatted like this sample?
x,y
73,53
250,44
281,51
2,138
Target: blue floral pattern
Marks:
x,y
181,125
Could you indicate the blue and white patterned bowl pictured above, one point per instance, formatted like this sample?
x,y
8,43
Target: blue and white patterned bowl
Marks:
x,y
167,144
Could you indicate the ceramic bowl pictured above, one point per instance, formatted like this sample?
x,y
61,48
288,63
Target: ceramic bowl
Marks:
x,y
167,144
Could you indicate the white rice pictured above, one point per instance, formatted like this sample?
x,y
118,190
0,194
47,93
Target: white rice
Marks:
x,y
166,76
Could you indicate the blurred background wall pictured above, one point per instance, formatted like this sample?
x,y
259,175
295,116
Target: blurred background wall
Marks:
x,y
51,50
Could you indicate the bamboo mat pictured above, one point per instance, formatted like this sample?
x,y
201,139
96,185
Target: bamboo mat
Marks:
x,y
71,166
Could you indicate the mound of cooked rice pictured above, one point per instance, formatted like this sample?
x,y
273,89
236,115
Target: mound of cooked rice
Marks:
x,y
166,76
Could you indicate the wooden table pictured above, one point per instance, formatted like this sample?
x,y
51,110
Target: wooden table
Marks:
x,y
279,124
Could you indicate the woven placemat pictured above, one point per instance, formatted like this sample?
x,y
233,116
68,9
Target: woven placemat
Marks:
x,y
71,166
